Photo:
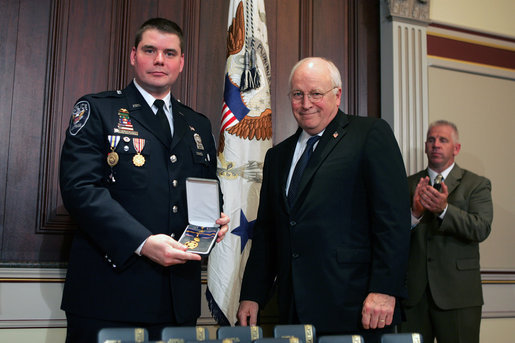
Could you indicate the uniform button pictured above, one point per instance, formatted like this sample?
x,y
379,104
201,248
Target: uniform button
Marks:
x,y
295,255
174,183
173,158
126,148
293,223
175,209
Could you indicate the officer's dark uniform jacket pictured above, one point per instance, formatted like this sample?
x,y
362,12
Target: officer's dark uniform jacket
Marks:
x,y
118,207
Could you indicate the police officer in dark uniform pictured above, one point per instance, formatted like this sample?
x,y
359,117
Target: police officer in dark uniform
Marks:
x,y
124,164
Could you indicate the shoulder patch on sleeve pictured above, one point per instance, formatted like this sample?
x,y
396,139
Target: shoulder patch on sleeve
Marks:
x,y
80,116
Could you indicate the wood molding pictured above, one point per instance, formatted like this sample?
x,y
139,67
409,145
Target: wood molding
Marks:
x,y
51,215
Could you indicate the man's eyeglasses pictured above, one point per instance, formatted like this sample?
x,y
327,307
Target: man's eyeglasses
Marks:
x,y
313,96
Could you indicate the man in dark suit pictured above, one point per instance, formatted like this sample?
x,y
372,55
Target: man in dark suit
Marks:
x,y
444,281
124,164
337,249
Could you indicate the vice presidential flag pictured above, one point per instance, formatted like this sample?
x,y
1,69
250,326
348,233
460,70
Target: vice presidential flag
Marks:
x,y
245,136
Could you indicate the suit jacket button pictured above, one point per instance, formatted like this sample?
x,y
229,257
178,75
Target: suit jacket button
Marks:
x,y
175,209
174,183
173,158
295,255
293,223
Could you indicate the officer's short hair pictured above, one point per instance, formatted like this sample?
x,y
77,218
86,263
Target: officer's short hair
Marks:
x,y
160,24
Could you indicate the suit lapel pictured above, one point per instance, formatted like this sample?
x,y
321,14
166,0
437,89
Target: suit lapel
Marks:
x,y
333,133
142,113
284,164
180,125
454,178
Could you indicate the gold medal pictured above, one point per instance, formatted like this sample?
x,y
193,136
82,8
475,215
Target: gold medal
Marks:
x,y
191,244
112,158
138,160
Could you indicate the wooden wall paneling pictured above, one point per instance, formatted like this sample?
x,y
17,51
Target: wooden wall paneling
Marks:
x,y
210,49
9,24
120,45
348,73
191,29
24,146
51,215
285,42
137,12
366,48
55,51
79,60
330,38
306,28
181,12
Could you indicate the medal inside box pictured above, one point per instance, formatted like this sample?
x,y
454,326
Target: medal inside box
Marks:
x,y
203,201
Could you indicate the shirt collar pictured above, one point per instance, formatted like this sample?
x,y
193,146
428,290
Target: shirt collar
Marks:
x,y
445,173
150,99
304,136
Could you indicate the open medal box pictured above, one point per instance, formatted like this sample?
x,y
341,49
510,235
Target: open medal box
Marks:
x,y
203,200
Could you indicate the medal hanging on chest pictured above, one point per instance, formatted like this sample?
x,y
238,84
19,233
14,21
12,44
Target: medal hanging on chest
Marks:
x,y
112,157
138,159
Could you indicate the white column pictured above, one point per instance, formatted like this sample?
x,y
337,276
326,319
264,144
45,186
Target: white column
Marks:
x,y
404,103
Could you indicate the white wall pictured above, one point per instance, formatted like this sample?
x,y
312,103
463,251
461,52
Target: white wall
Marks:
x,y
493,16
483,107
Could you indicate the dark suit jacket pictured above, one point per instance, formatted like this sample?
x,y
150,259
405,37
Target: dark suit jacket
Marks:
x,y
346,235
106,279
445,253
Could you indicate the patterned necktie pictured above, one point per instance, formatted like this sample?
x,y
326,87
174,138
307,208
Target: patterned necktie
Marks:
x,y
163,120
437,184
299,169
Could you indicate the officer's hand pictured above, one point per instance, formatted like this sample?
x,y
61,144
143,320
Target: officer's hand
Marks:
x,y
223,221
166,251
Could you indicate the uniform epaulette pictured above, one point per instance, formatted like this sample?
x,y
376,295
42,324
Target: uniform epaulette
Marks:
x,y
108,94
180,104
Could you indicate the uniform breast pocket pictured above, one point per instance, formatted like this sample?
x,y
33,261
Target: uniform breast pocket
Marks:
x,y
200,157
131,169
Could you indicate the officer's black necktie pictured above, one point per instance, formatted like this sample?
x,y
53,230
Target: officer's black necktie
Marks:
x,y
163,120
299,169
